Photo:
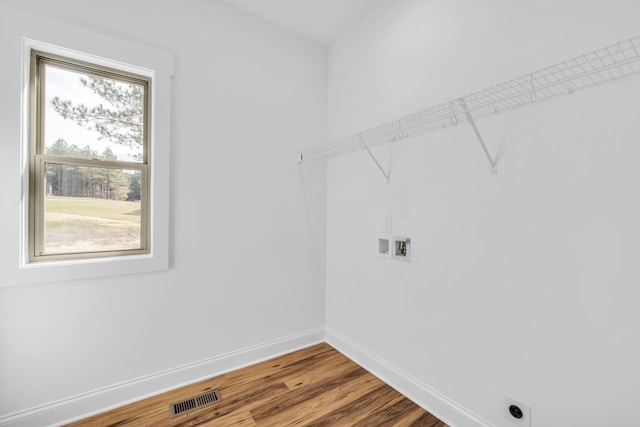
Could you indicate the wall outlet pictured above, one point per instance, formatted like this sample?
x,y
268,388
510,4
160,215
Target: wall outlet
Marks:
x,y
517,412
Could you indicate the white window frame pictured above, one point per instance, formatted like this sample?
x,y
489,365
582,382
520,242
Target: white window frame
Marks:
x,y
105,51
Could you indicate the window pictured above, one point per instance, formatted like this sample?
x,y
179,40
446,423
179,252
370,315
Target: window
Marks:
x,y
108,172
89,160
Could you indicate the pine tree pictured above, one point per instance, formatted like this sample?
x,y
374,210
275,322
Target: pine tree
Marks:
x,y
120,121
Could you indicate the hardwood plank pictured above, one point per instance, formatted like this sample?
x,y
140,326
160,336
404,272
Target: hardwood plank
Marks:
x,y
337,364
357,409
236,419
308,404
316,386
301,395
401,411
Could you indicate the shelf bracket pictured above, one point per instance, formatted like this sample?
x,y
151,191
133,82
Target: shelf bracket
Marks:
x,y
472,122
386,175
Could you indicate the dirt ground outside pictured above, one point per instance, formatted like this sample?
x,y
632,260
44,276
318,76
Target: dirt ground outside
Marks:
x,y
67,233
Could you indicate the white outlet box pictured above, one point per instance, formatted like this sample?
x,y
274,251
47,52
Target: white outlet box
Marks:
x,y
384,247
525,420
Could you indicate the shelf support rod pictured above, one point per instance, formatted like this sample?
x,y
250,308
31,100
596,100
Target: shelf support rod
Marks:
x,y
386,175
472,122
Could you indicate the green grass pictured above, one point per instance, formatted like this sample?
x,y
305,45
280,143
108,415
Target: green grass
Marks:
x,y
95,208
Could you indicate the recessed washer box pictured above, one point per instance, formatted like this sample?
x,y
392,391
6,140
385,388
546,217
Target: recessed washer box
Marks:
x,y
402,248
384,247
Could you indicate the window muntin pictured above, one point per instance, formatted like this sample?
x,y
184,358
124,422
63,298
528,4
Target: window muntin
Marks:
x,y
89,160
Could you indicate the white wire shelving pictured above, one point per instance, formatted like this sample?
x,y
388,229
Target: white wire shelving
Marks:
x,y
591,69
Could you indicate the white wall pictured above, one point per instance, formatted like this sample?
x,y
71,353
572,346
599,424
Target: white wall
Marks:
x,y
245,280
522,283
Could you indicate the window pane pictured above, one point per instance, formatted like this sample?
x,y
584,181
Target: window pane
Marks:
x,y
92,117
91,209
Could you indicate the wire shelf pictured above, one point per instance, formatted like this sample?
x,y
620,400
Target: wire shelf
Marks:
x,y
600,66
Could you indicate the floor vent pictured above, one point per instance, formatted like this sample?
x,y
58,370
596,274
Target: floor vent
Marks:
x,y
193,403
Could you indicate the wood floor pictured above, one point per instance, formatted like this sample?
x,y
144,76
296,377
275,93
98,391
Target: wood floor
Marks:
x,y
316,386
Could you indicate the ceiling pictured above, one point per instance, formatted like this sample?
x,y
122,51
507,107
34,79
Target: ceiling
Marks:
x,y
321,21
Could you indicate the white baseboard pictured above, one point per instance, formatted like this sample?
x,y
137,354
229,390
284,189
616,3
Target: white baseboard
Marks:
x,y
432,401
87,404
